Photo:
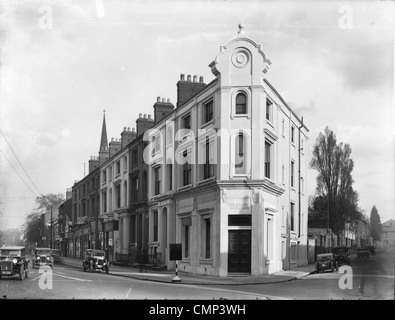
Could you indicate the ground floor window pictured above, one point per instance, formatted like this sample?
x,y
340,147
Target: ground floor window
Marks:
x,y
206,238
186,230
293,251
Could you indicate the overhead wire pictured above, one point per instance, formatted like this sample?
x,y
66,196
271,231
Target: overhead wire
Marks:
x,y
20,162
18,174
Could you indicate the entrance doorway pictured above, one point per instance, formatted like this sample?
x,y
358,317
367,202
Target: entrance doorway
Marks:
x,y
239,253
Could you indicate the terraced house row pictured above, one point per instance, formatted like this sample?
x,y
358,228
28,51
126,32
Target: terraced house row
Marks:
x,y
222,172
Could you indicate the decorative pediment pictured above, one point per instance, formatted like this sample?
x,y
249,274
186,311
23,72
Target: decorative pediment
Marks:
x,y
270,134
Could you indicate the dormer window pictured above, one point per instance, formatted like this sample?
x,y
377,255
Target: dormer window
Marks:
x,y
241,103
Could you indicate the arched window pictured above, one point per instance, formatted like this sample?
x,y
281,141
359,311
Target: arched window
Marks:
x,y
241,103
240,163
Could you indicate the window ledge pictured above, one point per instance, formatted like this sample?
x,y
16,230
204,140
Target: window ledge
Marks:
x,y
269,180
185,260
241,176
270,123
246,115
154,197
207,124
205,261
206,180
185,187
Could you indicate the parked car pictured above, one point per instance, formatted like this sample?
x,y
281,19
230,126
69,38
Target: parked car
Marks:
x,y
13,262
55,253
42,257
95,261
326,261
342,255
363,252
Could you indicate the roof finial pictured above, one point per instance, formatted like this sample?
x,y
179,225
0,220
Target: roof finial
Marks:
x,y
104,110
241,27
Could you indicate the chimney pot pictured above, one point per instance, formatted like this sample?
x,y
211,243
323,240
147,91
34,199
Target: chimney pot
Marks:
x,y
149,117
201,79
133,130
163,100
128,128
124,128
168,100
140,115
195,78
182,77
112,139
145,116
189,77
158,99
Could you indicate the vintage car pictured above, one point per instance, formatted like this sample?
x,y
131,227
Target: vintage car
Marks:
x,y
95,261
342,255
13,262
326,261
55,253
363,252
42,257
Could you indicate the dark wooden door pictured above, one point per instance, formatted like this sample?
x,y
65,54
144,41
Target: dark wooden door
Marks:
x,y
239,254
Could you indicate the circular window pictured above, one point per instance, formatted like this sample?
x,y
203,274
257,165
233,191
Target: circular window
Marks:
x,y
240,58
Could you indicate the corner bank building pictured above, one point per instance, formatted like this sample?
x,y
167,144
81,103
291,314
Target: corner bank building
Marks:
x,y
227,170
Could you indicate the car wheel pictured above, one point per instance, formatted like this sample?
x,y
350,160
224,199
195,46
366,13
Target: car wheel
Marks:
x,y
21,272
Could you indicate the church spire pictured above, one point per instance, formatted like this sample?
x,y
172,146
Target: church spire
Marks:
x,y
104,152
104,141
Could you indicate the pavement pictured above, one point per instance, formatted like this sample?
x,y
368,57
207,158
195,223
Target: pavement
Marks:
x,y
198,279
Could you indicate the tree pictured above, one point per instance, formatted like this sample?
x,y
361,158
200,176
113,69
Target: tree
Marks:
x,y
49,201
35,225
375,224
335,196
34,228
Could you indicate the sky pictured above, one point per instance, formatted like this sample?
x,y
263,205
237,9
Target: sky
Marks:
x,y
63,62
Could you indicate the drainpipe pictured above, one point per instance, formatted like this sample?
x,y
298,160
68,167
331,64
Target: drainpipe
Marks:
x,y
300,206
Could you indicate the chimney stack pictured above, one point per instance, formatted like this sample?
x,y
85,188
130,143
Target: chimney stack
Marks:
x,y
143,124
162,109
93,163
187,89
127,136
114,146
69,193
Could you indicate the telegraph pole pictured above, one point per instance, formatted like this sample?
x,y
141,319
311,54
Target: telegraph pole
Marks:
x,y
50,240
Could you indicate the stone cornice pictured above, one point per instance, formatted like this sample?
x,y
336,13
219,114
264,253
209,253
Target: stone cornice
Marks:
x,y
265,184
